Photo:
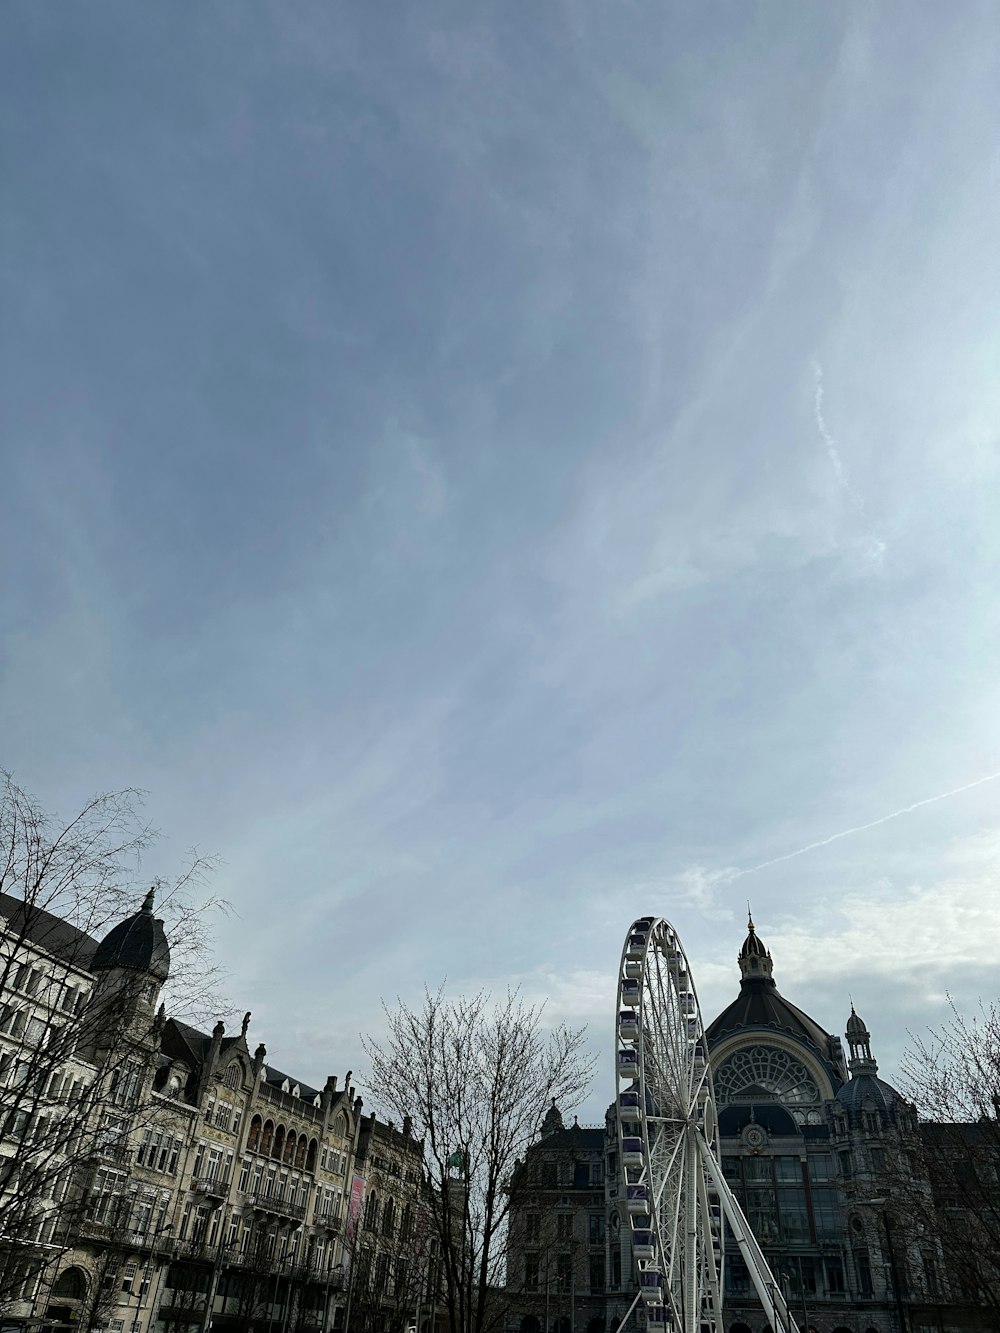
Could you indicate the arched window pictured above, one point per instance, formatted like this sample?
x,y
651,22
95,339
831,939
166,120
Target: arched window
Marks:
x,y
311,1156
289,1157
234,1075
371,1211
406,1222
300,1151
339,1126
279,1142
70,1285
253,1138
267,1137
388,1218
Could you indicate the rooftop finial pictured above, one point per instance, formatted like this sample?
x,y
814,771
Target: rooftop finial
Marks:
x,y
749,918
147,902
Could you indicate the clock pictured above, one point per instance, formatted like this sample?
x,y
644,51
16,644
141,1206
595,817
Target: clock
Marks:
x,y
755,1137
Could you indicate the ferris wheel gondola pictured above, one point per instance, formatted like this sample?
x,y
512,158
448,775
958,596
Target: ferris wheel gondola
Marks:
x,y
675,1192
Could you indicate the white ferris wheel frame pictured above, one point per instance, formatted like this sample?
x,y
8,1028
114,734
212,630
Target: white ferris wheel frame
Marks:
x,y
675,1192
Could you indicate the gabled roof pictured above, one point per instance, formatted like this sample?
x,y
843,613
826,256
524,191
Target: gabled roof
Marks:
x,y
48,932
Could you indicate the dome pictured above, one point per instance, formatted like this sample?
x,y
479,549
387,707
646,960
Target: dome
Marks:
x,y
855,1025
138,944
868,1092
553,1120
753,945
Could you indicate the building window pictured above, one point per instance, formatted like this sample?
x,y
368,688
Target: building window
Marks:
x,y
532,1227
863,1269
834,1277
564,1272
597,1272
531,1272
564,1226
595,1229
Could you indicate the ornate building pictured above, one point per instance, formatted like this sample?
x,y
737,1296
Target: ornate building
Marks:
x,y
825,1158
804,1136
153,1176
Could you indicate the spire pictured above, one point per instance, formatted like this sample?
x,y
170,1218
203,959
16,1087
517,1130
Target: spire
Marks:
x,y
147,902
861,1060
755,958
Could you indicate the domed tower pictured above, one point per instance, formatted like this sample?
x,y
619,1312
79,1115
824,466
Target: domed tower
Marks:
x,y
870,1103
552,1121
130,965
754,958
767,1054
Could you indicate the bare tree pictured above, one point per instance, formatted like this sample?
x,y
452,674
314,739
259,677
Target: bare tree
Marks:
x,y
476,1077
947,1189
389,1262
75,1055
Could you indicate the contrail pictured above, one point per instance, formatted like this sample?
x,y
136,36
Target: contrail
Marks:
x,y
833,453
831,444
860,828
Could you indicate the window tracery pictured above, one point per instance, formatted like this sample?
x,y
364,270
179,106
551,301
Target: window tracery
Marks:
x,y
765,1068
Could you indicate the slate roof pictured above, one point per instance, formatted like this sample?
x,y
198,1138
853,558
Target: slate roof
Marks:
x,y
275,1078
49,932
862,1087
184,1042
576,1137
138,944
761,1004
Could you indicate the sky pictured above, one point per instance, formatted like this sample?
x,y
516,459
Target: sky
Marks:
x,y
491,471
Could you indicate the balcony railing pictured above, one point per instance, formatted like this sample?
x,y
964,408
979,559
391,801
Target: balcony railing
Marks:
x,y
270,1203
113,1235
214,1186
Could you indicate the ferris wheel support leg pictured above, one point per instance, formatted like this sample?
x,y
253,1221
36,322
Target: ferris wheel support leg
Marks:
x,y
692,1314
771,1297
715,1271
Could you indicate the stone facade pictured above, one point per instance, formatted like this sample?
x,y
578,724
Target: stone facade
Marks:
x,y
202,1187
809,1139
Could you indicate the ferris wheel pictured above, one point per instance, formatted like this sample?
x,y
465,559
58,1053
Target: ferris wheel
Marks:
x,y
675,1192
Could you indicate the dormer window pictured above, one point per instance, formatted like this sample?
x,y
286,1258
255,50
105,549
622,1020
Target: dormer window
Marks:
x,y
286,1086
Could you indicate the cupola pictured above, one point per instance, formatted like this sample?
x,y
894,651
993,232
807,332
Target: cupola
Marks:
x,y
553,1120
860,1060
754,958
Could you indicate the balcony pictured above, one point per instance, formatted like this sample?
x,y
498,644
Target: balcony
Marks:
x,y
270,1203
113,1235
214,1187
330,1224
